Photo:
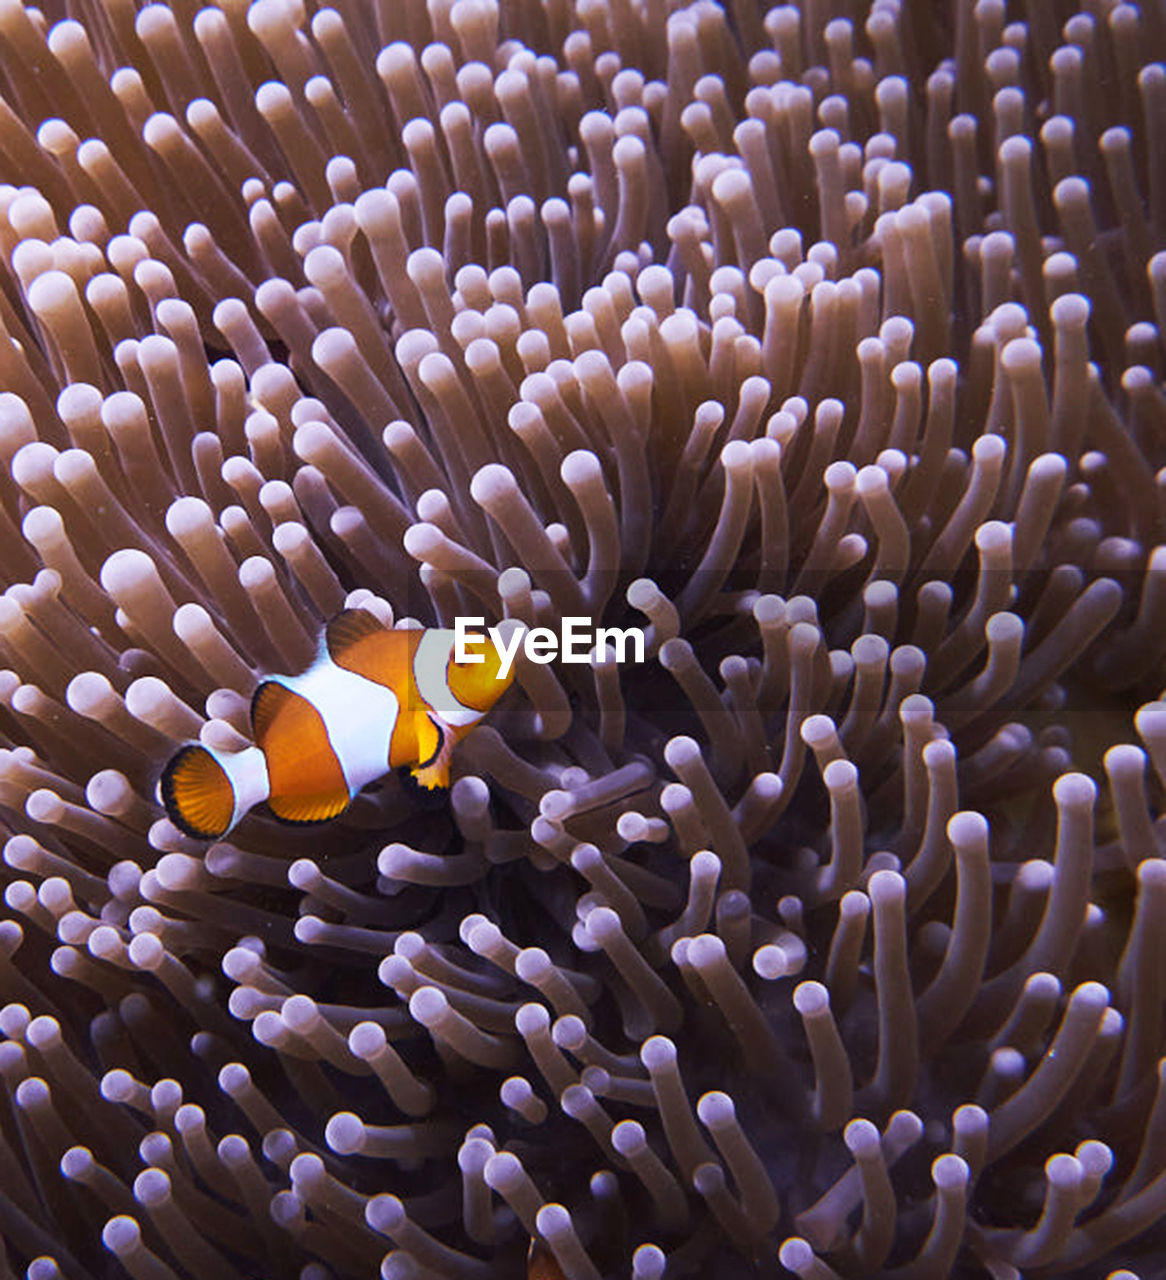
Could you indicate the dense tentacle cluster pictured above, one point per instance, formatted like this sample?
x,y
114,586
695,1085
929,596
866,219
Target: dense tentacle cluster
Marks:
x,y
822,342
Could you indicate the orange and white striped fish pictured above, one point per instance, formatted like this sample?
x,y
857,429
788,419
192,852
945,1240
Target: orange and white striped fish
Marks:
x,y
541,1263
375,699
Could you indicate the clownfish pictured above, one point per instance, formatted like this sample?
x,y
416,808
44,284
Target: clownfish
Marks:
x,y
541,1263
375,699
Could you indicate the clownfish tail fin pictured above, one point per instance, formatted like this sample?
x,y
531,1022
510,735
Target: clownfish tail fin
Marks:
x,y
206,792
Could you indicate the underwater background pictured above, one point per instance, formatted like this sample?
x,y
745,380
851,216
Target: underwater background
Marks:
x,y
822,341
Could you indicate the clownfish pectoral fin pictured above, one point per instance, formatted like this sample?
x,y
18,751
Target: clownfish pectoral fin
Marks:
x,y
434,748
206,793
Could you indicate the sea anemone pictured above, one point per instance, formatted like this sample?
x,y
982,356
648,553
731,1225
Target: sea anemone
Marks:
x,y
821,342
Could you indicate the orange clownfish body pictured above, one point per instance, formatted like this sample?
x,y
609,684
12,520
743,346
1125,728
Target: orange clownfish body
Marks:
x,y
541,1263
375,699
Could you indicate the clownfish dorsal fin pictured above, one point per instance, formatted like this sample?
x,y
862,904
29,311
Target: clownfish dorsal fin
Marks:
x,y
347,629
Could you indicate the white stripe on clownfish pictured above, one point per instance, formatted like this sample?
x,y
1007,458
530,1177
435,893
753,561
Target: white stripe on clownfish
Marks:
x,y
247,773
361,742
431,671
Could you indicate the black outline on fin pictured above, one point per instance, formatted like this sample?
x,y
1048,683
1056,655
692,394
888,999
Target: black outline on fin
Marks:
x,y
424,764
166,788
